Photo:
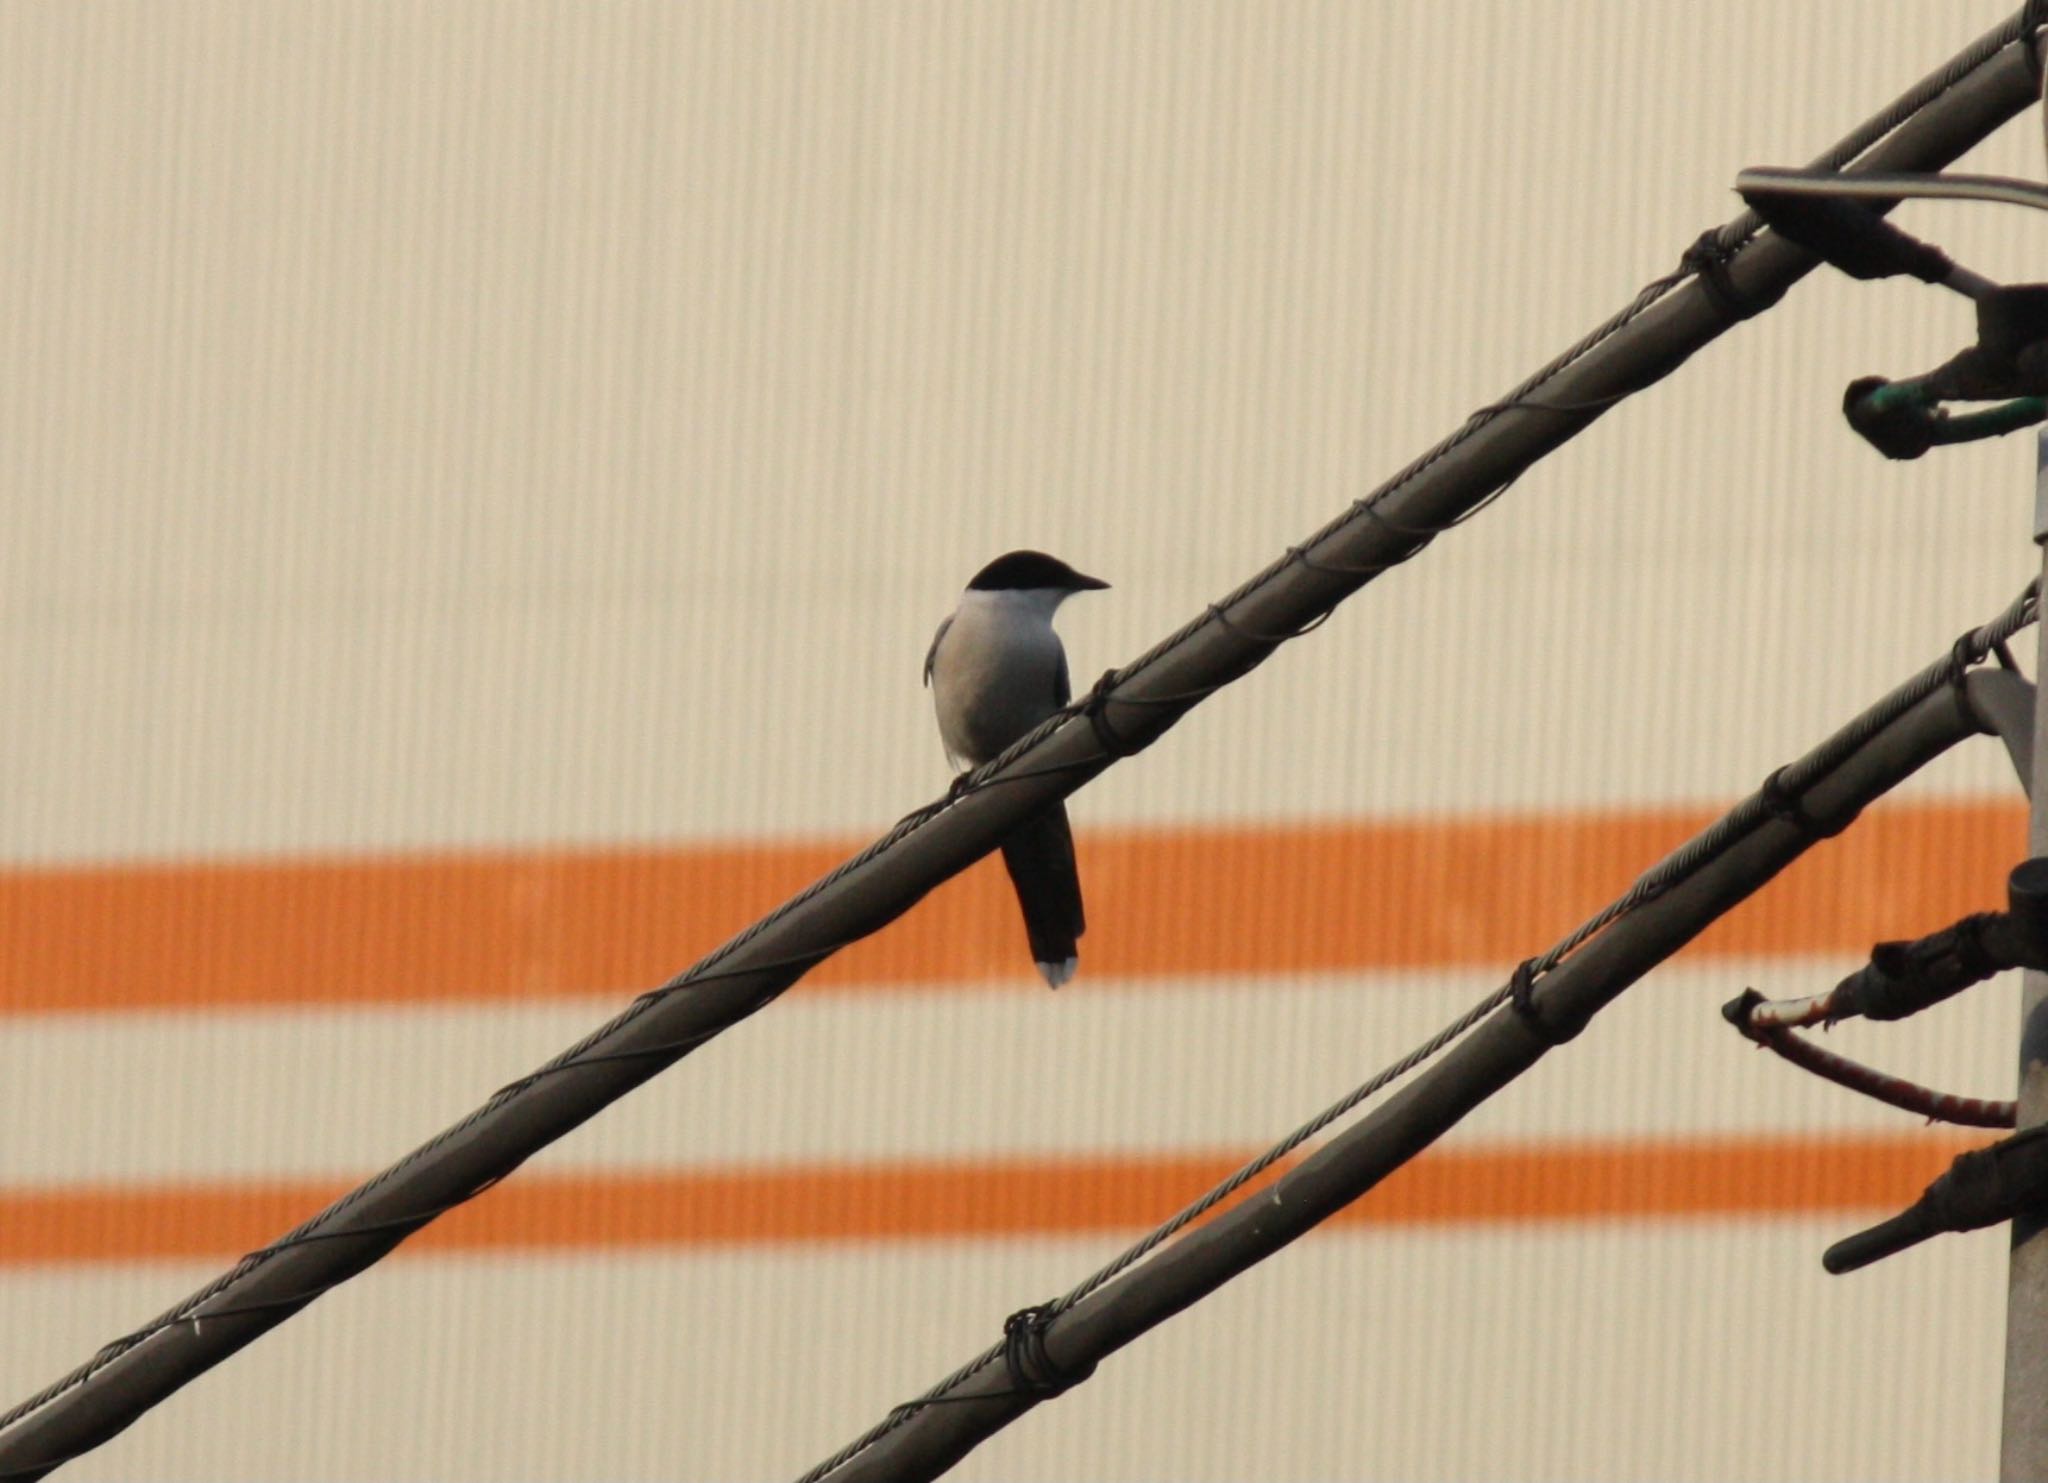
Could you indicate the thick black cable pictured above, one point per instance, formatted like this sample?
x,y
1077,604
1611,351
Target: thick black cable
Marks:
x,y
1680,868
1720,244
53,1425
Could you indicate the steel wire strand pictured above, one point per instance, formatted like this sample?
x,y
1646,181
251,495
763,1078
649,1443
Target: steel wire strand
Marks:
x,y
999,770
1712,247
1759,808
1724,241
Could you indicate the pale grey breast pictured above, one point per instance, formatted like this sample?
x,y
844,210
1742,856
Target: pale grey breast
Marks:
x,y
996,671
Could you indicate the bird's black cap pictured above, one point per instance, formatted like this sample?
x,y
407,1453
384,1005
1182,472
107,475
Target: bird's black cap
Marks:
x,y
1026,570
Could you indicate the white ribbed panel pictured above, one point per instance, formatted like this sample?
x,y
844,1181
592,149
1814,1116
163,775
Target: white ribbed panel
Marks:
x,y
1610,1352
485,422
522,421
878,1077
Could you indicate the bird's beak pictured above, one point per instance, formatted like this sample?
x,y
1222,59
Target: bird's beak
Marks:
x,y
1089,584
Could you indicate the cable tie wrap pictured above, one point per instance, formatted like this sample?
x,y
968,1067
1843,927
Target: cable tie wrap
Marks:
x,y
1522,1000
1707,260
1094,706
1782,804
1962,656
1025,1360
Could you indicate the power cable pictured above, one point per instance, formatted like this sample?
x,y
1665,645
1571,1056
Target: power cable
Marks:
x,y
1778,800
1969,98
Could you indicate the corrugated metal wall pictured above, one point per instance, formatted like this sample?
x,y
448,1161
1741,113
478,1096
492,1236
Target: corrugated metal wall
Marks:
x,y
479,481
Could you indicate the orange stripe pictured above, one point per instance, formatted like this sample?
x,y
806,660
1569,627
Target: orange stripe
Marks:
x,y
521,926
1555,1181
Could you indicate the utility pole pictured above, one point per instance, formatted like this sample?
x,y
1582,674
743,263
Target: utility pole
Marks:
x,y
2023,1450
2023,1443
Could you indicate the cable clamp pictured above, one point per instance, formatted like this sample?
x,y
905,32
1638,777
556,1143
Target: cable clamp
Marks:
x,y
1782,804
1707,260
1522,1000
1962,657
1094,705
1030,1368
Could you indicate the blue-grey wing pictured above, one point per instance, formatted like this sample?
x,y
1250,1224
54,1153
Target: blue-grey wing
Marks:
x,y
931,655
1062,690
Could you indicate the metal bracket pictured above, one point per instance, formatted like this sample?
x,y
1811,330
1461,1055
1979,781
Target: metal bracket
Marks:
x,y
2003,702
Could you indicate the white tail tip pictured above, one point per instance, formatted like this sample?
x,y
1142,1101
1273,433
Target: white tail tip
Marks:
x,y
1059,973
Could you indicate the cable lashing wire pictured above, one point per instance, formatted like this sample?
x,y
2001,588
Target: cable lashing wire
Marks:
x,y
313,1230
996,772
576,1056
1988,641
1710,249
1754,811
579,1056
1973,648
1216,612
1712,246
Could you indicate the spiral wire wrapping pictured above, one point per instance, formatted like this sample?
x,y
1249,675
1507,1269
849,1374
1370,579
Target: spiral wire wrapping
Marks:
x,y
1771,803
1880,1086
1713,246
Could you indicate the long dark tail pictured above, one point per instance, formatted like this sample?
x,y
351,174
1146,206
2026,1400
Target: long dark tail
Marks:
x,y
1040,857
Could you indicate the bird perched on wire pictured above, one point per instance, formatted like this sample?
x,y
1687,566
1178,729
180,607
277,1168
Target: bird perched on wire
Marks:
x,y
996,669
